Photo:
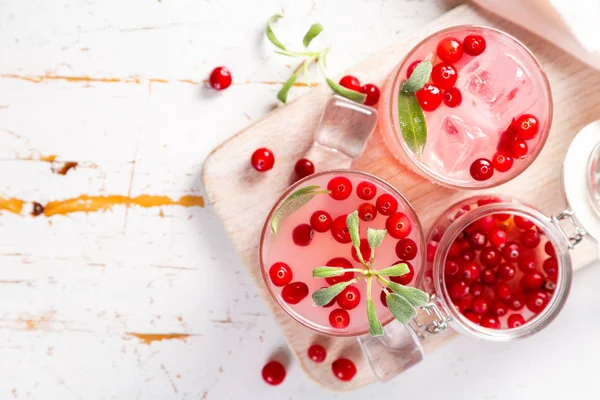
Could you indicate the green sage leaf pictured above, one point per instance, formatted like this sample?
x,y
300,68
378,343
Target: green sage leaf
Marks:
x,y
394,270
375,237
323,296
327,272
347,93
283,92
312,33
375,327
294,202
400,308
271,35
352,223
413,295
419,77
412,122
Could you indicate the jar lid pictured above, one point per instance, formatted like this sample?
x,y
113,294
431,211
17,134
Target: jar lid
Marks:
x,y
581,178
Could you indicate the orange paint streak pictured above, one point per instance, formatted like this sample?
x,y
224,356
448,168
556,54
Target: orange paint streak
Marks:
x,y
85,203
12,205
48,158
148,338
36,323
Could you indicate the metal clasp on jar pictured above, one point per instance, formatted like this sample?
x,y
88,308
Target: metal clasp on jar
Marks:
x,y
439,321
577,230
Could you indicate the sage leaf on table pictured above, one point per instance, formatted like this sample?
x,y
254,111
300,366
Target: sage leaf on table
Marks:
x,y
347,93
283,92
375,327
312,33
412,122
271,35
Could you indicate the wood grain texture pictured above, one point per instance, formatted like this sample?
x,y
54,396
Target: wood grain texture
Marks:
x,y
241,197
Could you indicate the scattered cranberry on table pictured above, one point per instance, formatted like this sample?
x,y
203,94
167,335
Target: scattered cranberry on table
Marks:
x,y
273,373
372,92
343,369
304,168
262,159
350,82
317,353
220,78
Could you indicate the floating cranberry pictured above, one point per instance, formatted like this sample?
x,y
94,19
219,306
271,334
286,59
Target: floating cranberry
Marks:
x,y
549,249
490,257
406,249
515,321
273,373
530,239
537,301
451,268
372,93
471,316
280,274
366,190
431,250
489,277
502,290
485,224
506,272
429,97
532,281
339,318
262,159
490,321
481,305
349,298
458,289
220,78
474,45
365,251
526,263
294,292
406,278
343,369
499,308
340,262
511,252
498,237
303,235
367,212
476,289
449,50
339,230
551,267
467,256
398,225
350,82
522,223
304,168
481,169
502,161
444,75
411,68
519,149
383,297
527,126
320,221
477,240
452,97
340,188
386,204
317,353
516,302
469,272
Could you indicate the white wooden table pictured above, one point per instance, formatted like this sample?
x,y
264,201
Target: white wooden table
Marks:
x,y
153,303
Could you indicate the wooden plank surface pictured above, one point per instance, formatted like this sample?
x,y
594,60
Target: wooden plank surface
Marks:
x,y
242,198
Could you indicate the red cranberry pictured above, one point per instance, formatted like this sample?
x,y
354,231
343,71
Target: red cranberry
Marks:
x,y
343,369
471,316
527,126
349,298
406,249
317,353
549,285
411,68
367,212
449,50
469,272
398,225
383,297
488,200
463,210
386,204
551,267
499,308
431,250
340,188
273,373
280,274
303,235
519,149
477,240
444,75
366,190
406,278
501,217
526,263
537,301
350,82
485,224
451,268
549,249
481,169
502,291
304,168
489,277
467,255
481,305
511,252
532,281
455,249
522,223
340,262
490,257
372,93
530,239
429,97
294,292
220,78
458,289
320,221
502,161
516,302
339,230
474,45
339,318
506,272
464,304
476,289
262,159
452,97
490,321
365,251
498,237
515,321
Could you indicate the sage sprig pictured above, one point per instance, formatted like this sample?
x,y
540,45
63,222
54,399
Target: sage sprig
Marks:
x,y
293,203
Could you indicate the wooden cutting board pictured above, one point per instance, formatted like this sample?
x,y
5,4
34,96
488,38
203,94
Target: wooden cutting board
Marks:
x,y
242,198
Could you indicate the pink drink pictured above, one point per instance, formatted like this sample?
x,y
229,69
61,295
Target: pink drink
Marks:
x,y
503,83
302,259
